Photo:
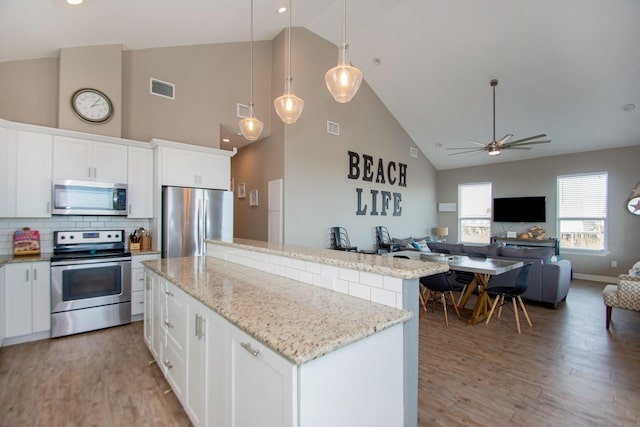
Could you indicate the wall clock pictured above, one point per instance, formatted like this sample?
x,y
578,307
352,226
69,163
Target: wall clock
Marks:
x,y
634,205
91,105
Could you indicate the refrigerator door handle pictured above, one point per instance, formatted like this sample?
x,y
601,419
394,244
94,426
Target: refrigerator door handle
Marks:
x,y
204,246
200,237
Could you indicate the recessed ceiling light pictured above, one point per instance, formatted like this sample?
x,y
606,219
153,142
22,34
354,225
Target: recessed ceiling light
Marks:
x,y
282,9
226,140
74,2
628,107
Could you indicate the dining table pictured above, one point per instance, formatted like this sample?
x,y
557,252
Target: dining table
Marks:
x,y
482,269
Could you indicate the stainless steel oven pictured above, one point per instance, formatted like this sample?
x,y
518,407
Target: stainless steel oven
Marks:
x,y
90,281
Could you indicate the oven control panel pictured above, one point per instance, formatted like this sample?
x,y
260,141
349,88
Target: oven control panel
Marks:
x,y
97,236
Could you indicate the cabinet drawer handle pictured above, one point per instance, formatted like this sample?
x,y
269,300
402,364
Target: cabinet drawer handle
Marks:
x,y
247,346
168,364
169,293
169,324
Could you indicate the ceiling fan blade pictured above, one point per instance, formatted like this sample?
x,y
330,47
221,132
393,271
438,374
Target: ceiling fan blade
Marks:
x,y
464,148
516,148
520,144
482,144
542,135
505,138
465,152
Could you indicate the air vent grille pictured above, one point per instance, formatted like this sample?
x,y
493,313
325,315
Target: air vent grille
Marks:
x,y
163,89
413,152
242,110
333,128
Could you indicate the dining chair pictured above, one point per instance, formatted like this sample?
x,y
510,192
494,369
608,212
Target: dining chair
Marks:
x,y
383,240
436,286
340,240
513,292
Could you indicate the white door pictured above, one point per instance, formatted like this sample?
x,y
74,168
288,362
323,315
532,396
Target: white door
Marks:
x,y
275,214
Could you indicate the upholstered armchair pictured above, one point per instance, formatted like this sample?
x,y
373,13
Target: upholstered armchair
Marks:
x,y
626,294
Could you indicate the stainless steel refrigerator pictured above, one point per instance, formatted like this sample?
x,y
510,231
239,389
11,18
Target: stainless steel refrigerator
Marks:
x,y
192,215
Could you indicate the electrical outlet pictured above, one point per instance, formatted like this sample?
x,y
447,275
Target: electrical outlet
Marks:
x,y
614,264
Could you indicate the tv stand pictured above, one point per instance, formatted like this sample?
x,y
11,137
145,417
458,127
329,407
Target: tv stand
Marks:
x,y
551,242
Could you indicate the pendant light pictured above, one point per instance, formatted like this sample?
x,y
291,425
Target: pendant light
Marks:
x,y
250,126
343,80
288,106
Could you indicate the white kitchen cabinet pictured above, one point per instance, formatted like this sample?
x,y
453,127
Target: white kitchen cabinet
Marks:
x,y
25,184
206,355
2,305
83,159
28,298
174,322
186,168
138,283
263,384
140,182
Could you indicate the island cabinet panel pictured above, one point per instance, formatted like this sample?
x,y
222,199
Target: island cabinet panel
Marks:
x,y
174,314
206,353
263,385
149,310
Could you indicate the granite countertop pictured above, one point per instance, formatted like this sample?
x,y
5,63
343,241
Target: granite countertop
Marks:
x,y
301,322
385,265
13,259
144,252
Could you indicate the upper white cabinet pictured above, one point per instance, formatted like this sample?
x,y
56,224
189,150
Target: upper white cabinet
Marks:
x,y
83,159
2,303
140,185
184,165
25,183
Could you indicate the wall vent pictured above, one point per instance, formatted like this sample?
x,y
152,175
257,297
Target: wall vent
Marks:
x,y
242,110
333,128
163,89
413,152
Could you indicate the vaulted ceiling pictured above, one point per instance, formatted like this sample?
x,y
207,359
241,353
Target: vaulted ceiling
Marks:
x,y
565,68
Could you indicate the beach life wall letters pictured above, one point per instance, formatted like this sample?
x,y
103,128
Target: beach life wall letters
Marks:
x,y
386,172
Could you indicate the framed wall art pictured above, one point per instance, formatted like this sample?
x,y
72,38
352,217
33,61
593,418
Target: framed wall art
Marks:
x,y
242,190
253,198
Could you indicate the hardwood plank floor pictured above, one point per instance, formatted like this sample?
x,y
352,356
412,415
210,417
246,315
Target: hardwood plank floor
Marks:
x,y
100,378
565,371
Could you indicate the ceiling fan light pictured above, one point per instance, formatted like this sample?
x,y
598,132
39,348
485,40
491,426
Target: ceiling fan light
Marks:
x,y
493,151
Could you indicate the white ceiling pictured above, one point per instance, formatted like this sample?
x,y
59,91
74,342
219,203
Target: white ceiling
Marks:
x,y
565,68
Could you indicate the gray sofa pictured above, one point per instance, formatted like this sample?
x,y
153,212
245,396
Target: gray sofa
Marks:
x,y
549,279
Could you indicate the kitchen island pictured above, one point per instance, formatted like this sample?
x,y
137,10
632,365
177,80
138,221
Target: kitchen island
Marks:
x,y
347,361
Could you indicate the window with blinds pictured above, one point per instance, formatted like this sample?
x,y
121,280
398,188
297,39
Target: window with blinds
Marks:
x,y
474,212
582,211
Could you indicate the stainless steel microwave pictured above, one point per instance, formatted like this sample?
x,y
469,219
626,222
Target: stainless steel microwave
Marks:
x,y
89,198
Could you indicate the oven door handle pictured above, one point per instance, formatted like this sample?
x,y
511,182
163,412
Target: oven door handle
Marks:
x,y
89,261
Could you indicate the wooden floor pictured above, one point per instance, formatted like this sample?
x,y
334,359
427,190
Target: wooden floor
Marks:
x,y
565,371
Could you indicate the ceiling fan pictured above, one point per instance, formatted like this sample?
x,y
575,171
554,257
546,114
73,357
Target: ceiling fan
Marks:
x,y
495,147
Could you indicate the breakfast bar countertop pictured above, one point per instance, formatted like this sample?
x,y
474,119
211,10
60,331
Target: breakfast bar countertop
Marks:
x,y
371,263
299,321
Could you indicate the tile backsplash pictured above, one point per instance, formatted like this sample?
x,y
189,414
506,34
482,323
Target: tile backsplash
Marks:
x,y
46,227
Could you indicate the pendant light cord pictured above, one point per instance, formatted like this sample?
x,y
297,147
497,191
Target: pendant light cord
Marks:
x,y
251,61
494,111
344,22
289,43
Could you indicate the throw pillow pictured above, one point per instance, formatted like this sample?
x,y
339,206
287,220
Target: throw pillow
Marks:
x,y
543,253
422,245
403,243
415,245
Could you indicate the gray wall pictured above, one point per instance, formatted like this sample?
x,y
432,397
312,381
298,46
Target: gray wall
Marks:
x,y
537,177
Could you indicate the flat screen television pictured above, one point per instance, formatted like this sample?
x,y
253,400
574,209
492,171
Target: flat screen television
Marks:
x,y
520,209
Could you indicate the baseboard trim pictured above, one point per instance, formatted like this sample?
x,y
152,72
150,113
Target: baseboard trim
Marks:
x,y
595,278
26,338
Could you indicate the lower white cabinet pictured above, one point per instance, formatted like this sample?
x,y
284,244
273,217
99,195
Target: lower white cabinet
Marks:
x,y
27,298
263,385
138,282
206,373
225,377
2,302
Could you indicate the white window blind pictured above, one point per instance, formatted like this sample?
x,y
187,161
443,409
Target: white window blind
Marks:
x,y
582,211
474,214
